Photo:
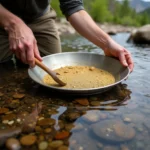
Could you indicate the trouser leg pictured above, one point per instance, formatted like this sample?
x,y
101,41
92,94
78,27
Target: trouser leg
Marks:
x,y
46,33
5,53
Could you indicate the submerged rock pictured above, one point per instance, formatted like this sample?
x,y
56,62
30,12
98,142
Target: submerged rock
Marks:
x,y
113,130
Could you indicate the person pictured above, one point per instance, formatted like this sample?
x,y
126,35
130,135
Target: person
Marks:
x,y
27,29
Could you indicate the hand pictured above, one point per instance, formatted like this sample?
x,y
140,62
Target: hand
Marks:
x,y
121,53
23,43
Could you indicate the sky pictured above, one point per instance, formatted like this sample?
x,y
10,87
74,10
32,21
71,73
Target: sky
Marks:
x,y
142,0
146,0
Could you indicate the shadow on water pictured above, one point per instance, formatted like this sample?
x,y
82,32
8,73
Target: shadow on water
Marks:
x,y
114,120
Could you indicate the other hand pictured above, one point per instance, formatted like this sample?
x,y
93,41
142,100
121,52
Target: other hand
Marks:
x,y
121,53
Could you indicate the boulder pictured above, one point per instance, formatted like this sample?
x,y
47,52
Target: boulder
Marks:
x,y
140,35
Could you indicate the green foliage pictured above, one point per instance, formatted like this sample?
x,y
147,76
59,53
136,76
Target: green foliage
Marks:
x,y
111,11
99,11
55,6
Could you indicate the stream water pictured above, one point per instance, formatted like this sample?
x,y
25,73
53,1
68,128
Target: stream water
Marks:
x,y
115,120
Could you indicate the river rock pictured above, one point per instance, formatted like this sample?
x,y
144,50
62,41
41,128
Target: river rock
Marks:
x,y
73,116
92,116
113,130
56,144
28,140
141,35
82,101
13,144
3,110
46,122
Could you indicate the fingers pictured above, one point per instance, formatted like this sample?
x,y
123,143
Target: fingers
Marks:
x,y
25,51
30,55
36,52
126,59
129,61
122,59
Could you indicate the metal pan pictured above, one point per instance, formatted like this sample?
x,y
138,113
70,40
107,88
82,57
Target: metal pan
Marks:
x,y
58,60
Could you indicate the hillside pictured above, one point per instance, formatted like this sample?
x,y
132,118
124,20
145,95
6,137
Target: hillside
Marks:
x,y
139,5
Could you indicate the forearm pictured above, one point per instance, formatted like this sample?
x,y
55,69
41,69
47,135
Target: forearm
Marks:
x,y
85,25
8,20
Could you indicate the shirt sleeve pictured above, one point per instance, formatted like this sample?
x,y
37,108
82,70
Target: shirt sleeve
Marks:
x,y
68,7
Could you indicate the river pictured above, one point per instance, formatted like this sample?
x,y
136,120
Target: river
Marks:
x,y
115,120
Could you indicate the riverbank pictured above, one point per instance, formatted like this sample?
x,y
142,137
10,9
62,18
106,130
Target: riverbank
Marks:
x,y
64,27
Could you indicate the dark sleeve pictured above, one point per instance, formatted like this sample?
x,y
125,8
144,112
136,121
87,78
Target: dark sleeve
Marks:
x,y
68,7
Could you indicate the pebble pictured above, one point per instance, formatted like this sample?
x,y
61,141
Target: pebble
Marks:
x,y
95,103
47,130
43,145
9,117
11,122
28,140
91,116
13,144
3,110
63,147
62,135
83,101
46,122
18,96
56,144
1,94
5,121
73,116
127,120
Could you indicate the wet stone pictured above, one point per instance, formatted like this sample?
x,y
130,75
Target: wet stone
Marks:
x,y
83,101
46,122
9,117
43,145
22,115
124,147
3,110
110,148
78,126
62,135
93,99
13,144
69,127
56,144
13,105
30,100
18,96
99,145
38,129
73,116
127,119
113,130
1,94
28,140
95,103
47,130
92,116
63,147
61,124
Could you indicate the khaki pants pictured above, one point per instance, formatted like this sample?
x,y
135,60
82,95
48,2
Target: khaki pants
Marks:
x,y
45,32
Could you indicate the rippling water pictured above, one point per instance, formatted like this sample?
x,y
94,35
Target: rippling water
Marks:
x,y
137,109
115,120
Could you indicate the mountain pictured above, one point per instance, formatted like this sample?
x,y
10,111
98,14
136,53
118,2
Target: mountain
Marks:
x,y
139,5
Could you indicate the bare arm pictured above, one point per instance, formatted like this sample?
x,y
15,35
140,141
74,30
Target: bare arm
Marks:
x,y
21,39
85,25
